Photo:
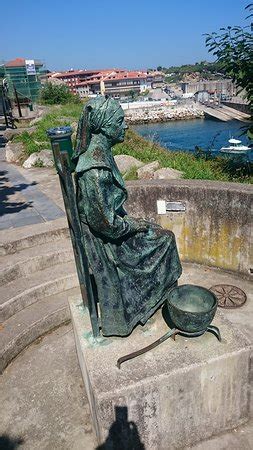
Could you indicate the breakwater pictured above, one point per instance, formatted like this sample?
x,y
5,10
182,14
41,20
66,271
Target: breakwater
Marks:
x,y
162,114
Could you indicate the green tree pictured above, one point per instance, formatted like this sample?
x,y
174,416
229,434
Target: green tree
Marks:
x,y
57,94
233,48
132,94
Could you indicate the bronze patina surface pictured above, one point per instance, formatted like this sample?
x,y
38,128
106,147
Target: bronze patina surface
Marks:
x,y
134,263
191,308
189,311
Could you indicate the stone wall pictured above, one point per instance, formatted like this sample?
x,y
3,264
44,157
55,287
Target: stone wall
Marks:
x,y
215,229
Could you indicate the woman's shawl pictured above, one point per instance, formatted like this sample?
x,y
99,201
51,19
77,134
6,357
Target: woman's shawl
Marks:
x,y
97,114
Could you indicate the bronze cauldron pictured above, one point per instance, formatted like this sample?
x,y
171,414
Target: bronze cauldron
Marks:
x,y
189,310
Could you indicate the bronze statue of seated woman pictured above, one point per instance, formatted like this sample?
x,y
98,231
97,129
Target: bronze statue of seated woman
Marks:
x,y
134,262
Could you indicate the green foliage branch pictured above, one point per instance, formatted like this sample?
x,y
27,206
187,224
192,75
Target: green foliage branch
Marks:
x,y
233,49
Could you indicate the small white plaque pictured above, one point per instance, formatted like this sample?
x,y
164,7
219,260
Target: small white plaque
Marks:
x,y
175,206
161,207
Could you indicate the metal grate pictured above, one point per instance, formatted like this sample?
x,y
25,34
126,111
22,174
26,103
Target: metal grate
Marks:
x,y
229,296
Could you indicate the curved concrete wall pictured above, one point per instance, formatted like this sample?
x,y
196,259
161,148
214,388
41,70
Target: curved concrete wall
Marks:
x,y
215,228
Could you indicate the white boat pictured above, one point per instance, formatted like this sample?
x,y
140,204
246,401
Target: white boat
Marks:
x,y
236,148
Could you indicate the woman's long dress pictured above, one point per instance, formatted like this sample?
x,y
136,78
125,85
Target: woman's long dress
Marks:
x,y
133,271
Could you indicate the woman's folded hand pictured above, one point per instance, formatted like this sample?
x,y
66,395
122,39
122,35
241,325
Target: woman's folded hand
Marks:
x,y
136,225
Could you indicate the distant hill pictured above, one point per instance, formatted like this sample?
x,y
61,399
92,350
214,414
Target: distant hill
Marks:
x,y
192,72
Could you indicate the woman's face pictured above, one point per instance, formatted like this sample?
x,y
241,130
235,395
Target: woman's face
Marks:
x,y
115,131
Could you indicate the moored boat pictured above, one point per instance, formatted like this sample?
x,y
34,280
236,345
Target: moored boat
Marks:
x,y
236,148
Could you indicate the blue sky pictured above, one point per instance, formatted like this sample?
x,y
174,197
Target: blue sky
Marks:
x,y
125,33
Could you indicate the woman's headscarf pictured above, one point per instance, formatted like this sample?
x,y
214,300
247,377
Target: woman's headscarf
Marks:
x,y
97,114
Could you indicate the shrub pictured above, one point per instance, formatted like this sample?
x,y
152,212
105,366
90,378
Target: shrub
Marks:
x,y
54,94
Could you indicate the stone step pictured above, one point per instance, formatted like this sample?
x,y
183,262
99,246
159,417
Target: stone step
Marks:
x,y
24,291
37,278
27,325
12,241
24,254
26,263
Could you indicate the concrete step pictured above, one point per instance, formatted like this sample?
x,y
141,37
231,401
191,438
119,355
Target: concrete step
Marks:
x,y
8,259
27,325
37,278
12,241
37,274
24,291
24,263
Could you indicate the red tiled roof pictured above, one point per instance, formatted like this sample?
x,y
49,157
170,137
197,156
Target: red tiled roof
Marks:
x,y
96,78
18,62
69,73
125,75
112,70
114,76
90,72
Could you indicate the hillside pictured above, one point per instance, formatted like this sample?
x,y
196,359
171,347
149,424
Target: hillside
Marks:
x,y
192,72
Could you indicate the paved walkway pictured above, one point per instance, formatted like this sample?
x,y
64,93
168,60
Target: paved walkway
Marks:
x,y
21,201
42,397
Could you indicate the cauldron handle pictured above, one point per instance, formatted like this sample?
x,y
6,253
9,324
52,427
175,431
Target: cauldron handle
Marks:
x,y
215,331
159,341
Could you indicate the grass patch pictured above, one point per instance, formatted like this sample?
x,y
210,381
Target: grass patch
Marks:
x,y
131,174
192,166
218,169
58,116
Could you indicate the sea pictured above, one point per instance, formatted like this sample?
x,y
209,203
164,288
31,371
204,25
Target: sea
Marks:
x,y
185,135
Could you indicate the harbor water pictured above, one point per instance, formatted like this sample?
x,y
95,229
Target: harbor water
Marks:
x,y
185,135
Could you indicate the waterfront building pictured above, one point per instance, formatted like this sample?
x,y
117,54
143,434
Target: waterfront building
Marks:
x,y
73,78
24,78
116,83
220,87
93,84
202,96
155,80
122,84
